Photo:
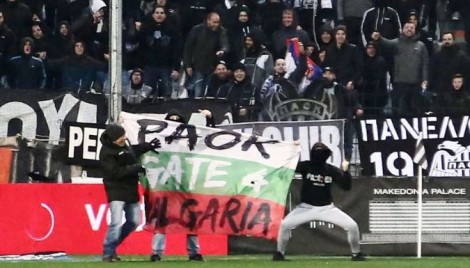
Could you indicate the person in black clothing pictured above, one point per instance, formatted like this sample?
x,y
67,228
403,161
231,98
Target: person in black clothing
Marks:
x,y
121,169
316,201
242,95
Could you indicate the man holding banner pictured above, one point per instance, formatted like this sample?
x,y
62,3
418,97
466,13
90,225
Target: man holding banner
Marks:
x,y
121,178
316,201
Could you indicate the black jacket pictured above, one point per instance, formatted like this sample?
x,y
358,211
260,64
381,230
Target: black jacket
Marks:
x,y
317,180
120,168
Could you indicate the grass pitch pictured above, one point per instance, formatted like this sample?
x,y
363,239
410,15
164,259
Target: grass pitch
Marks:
x,y
248,261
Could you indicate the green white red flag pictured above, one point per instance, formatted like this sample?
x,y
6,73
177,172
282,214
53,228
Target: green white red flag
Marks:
x,y
212,181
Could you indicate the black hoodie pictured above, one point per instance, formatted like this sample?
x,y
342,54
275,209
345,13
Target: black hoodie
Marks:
x,y
318,176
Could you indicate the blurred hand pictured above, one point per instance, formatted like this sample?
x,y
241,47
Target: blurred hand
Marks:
x,y
375,36
206,113
242,111
345,165
138,25
189,71
359,112
219,53
350,85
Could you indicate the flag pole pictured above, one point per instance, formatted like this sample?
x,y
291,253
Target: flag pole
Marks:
x,y
420,211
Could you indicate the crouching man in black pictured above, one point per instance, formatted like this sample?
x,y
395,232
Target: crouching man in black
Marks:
x,y
316,201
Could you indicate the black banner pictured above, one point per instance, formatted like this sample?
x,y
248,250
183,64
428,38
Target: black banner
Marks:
x,y
387,146
330,132
41,114
83,143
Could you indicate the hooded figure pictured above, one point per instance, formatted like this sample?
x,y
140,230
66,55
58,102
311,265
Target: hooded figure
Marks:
x,y
319,153
317,202
175,116
26,71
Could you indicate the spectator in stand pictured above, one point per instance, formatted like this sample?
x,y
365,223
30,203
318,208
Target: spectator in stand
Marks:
x,y
271,18
340,103
239,31
282,86
26,71
162,49
242,95
345,59
445,63
411,62
18,17
313,14
288,30
258,60
7,47
171,12
137,91
422,33
78,71
373,89
206,45
42,42
91,28
350,13
62,41
381,18
217,80
456,100
462,6
60,47
326,36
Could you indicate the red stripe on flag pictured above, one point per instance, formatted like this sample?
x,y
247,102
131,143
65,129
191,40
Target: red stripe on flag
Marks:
x,y
175,212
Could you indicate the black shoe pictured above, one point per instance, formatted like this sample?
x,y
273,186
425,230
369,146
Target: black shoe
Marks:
x,y
196,257
358,257
278,256
155,257
108,259
116,258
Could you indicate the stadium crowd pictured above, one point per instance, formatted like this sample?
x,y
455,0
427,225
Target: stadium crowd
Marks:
x,y
372,57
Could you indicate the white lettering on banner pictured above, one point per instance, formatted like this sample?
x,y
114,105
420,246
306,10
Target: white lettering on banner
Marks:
x,y
213,171
406,168
90,142
55,118
308,135
75,139
21,111
97,219
413,191
87,113
428,126
88,138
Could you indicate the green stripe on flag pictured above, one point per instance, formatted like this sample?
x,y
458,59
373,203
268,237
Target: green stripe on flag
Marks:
x,y
203,174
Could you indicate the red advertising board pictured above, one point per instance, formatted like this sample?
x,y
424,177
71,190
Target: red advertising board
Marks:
x,y
73,218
